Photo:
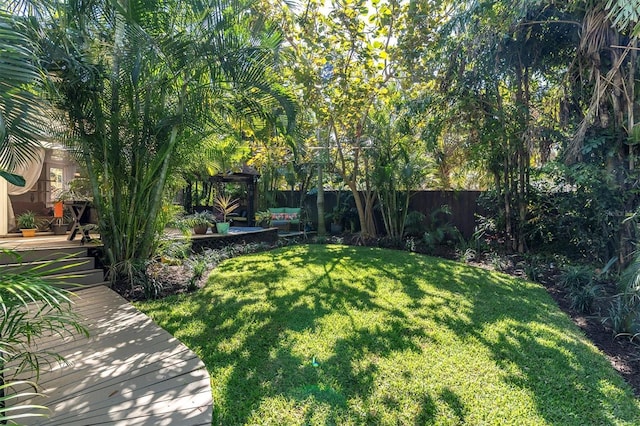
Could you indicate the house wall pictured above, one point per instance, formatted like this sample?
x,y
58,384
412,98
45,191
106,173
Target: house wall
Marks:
x,y
40,197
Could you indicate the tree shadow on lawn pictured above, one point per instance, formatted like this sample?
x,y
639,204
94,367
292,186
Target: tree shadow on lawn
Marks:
x,y
430,409
537,346
279,363
522,327
250,352
253,339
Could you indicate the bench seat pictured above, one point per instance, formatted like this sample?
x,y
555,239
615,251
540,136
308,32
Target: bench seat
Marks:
x,y
285,218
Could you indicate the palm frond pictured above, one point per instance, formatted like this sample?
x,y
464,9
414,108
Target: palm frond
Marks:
x,y
12,394
22,115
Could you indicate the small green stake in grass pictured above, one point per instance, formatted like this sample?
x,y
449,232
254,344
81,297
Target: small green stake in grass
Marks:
x,y
314,362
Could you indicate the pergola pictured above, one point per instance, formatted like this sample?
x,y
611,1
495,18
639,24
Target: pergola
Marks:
x,y
249,177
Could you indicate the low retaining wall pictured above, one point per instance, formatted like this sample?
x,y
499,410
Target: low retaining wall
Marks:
x,y
235,236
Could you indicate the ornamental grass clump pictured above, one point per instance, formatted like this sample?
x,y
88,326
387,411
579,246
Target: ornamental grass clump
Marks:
x,y
624,311
582,287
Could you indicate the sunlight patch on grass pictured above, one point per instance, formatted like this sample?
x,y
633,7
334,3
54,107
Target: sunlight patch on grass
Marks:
x,y
346,335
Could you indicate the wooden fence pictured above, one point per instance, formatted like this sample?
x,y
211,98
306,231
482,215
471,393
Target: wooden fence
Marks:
x,y
462,204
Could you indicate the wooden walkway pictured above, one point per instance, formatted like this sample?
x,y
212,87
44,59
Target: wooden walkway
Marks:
x,y
129,371
41,240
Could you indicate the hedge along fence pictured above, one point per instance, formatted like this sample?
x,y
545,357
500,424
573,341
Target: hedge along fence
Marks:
x,y
463,205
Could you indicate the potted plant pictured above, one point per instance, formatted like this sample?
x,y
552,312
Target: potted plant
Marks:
x,y
77,190
27,223
59,227
61,220
225,205
199,222
76,197
263,218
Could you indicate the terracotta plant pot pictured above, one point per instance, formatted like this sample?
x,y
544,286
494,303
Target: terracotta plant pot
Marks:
x,y
58,209
28,232
200,229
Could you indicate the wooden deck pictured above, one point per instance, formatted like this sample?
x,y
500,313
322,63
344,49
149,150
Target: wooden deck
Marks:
x,y
236,235
129,371
41,240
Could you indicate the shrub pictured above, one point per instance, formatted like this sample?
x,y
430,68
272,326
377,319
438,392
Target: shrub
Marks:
x,y
623,317
583,298
624,312
198,267
533,272
498,263
440,230
575,277
414,225
174,249
582,287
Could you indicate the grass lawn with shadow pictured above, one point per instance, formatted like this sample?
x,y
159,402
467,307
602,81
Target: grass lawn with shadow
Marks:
x,y
343,335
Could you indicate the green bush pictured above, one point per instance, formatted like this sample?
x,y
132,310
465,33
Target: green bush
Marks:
x,y
624,312
198,267
581,223
623,317
575,277
414,225
583,298
439,229
581,285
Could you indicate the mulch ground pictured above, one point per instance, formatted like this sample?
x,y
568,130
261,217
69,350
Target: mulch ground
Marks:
x,y
623,354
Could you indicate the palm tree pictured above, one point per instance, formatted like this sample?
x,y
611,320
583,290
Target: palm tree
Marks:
x,y
29,305
140,83
624,14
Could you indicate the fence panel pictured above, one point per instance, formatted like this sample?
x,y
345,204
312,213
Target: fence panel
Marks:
x,y
463,206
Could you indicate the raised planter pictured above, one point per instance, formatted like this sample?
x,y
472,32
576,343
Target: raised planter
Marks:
x,y
218,241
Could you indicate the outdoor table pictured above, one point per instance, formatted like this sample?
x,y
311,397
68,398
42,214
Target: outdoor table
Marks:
x,y
77,209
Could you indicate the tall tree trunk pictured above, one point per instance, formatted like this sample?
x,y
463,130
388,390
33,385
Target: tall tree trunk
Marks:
x,y
322,226
522,151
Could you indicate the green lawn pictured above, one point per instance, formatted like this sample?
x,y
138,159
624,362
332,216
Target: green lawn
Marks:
x,y
397,338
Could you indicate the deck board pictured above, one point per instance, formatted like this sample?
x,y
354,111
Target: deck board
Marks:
x,y
41,240
128,372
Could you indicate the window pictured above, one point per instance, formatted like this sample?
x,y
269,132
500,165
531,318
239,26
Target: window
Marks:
x,y
56,180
